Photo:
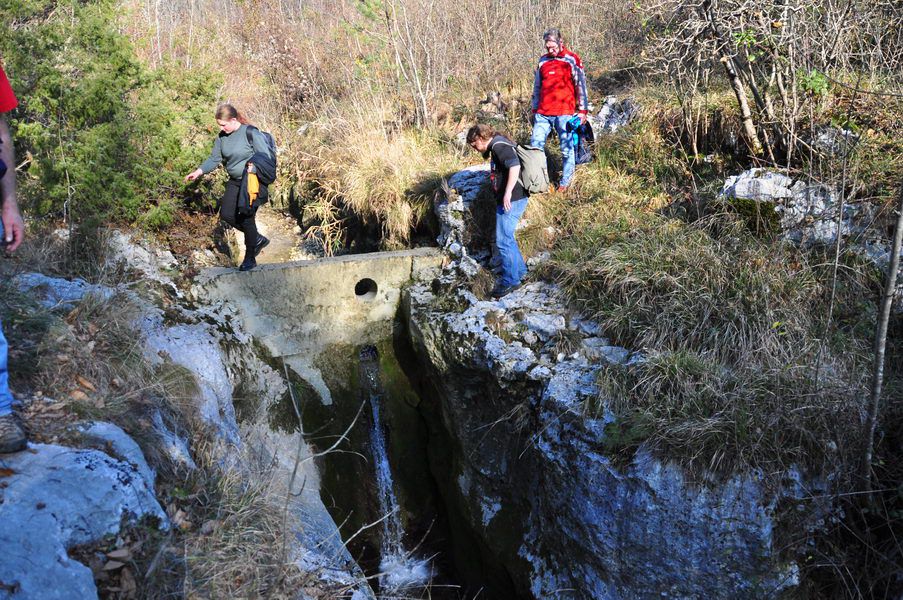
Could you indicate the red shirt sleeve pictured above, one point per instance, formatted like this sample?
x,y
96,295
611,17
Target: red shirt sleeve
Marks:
x,y
7,97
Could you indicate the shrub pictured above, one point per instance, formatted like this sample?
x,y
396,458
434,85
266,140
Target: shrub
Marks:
x,y
105,138
386,177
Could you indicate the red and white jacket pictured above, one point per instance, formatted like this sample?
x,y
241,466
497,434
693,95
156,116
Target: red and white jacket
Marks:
x,y
559,85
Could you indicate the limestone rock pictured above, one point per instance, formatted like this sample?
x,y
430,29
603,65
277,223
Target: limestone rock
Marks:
x,y
54,292
67,497
124,447
760,185
806,212
614,115
834,141
154,263
807,215
547,503
193,347
453,207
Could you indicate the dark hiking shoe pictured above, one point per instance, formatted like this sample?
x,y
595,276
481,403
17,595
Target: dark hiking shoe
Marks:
x,y
503,290
12,435
262,243
247,264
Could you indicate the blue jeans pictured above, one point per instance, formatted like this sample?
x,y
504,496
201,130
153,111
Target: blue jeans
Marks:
x,y
6,399
542,127
513,266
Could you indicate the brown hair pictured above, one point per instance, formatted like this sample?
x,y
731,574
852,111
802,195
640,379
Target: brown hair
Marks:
x,y
226,111
482,131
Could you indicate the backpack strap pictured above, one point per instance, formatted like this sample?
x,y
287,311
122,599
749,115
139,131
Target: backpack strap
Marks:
x,y
248,129
502,142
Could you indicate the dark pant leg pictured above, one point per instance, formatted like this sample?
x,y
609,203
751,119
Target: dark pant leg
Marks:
x,y
248,225
228,212
228,206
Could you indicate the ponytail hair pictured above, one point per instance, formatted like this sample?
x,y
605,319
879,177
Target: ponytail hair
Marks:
x,y
225,112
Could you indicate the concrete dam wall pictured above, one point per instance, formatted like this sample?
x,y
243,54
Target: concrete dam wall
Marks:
x,y
296,309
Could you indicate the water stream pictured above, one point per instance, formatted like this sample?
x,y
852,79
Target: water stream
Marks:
x,y
399,569
379,486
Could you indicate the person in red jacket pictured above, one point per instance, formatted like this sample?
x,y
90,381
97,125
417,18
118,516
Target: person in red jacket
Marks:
x,y
12,232
559,93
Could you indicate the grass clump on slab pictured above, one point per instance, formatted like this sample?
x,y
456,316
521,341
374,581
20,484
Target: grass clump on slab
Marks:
x,y
736,372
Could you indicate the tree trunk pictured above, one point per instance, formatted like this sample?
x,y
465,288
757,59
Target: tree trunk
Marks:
x,y
749,128
887,302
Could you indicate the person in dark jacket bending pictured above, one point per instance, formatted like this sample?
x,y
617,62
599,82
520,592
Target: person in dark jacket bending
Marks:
x,y
511,201
233,150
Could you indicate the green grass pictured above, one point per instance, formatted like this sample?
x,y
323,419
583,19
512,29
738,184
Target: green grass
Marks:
x,y
743,368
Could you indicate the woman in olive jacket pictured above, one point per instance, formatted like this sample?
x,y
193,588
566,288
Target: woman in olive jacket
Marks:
x,y
236,143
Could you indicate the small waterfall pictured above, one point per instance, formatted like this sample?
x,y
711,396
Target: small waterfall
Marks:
x,y
399,569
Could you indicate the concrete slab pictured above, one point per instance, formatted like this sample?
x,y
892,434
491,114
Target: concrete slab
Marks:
x,y
300,306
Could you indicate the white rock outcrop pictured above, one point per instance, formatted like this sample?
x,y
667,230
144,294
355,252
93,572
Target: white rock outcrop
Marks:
x,y
55,498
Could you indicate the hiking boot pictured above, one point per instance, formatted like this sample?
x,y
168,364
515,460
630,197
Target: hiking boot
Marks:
x,y
262,243
247,264
502,290
12,434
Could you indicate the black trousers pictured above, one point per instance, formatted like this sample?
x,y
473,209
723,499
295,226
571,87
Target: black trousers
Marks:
x,y
228,212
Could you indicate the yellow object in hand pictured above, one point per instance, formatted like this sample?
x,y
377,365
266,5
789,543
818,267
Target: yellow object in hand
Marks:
x,y
253,188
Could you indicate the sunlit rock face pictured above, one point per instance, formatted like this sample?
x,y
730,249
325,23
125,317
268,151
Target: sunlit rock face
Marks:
x,y
811,214
55,498
526,470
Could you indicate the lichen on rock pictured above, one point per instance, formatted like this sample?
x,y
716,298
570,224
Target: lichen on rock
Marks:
x,y
531,472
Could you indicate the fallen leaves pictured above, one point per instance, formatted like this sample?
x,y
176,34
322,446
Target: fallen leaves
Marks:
x,y
120,554
85,383
79,396
114,570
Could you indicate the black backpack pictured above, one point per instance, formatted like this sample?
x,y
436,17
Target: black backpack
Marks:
x,y
271,142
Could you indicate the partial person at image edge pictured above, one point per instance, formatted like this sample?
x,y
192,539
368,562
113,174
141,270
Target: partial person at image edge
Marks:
x,y
12,434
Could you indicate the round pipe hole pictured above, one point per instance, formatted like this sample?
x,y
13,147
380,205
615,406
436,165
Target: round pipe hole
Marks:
x,y
365,289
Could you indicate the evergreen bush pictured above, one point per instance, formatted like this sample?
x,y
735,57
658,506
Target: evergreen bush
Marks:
x,y
103,137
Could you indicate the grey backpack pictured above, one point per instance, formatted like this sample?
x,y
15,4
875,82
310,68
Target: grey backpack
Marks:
x,y
534,170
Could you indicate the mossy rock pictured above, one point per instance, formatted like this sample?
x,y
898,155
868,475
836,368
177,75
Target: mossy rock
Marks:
x,y
760,216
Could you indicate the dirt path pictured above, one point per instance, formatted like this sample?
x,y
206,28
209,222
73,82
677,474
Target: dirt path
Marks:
x,y
286,242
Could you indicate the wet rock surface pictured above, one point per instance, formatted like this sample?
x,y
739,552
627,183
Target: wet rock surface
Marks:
x,y
529,475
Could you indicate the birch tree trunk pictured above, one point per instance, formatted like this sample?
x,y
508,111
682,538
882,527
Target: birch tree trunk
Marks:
x,y
749,128
887,301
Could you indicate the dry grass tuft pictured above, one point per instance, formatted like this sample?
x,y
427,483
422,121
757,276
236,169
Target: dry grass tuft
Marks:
x,y
482,283
233,548
731,327
385,175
